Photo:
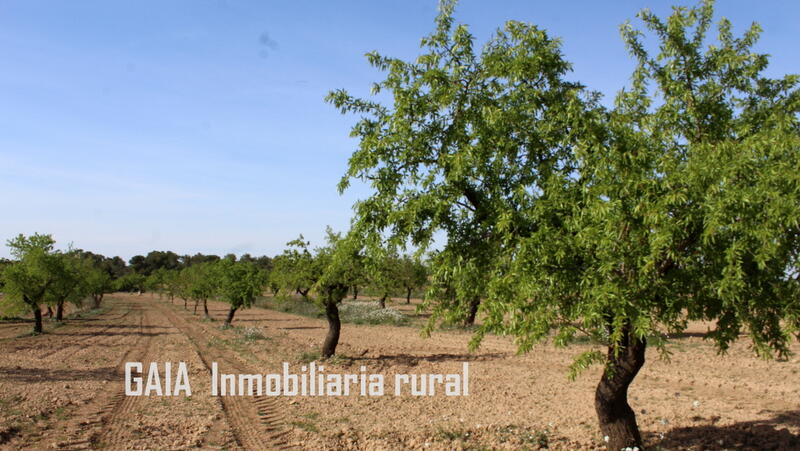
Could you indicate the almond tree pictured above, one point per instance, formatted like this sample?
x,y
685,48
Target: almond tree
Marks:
x,y
412,275
238,284
201,284
295,269
70,284
337,260
29,279
98,282
382,270
680,203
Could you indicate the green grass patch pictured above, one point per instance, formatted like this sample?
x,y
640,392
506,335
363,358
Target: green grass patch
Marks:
x,y
290,305
305,425
308,357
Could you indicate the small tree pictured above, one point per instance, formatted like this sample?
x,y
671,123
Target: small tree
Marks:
x,y
98,282
383,273
201,284
131,282
239,283
295,270
336,260
69,284
412,275
30,278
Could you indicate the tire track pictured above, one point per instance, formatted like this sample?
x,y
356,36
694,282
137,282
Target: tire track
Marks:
x,y
95,431
257,421
120,404
85,342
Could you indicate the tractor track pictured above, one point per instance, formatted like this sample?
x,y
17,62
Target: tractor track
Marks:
x,y
94,430
257,421
88,340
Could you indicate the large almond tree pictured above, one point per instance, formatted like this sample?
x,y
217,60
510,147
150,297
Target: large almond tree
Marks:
x,y
681,202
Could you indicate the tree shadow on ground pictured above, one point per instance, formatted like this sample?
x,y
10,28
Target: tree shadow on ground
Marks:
x,y
34,375
414,360
759,435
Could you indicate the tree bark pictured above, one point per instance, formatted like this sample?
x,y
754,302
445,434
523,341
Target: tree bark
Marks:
x,y
355,292
382,302
185,301
473,311
408,295
617,419
205,308
49,312
98,298
37,316
196,303
60,311
230,316
334,328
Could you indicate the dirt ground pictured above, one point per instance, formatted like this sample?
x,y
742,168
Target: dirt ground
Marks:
x,y
64,389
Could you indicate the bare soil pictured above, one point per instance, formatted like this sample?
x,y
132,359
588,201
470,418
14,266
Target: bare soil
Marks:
x,y
64,389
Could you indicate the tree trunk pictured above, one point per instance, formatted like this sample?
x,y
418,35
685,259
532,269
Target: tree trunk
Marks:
x,y
98,298
37,315
49,312
230,316
408,295
355,292
205,308
382,302
60,311
473,311
196,303
617,419
334,328
185,301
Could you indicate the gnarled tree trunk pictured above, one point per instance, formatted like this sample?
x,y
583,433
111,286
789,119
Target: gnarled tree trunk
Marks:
x,y
473,311
230,316
382,301
334,328
617,419
60,311
37,316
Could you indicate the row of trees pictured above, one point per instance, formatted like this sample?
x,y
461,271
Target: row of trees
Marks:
x,y
236,282
42,276
298,268
155,261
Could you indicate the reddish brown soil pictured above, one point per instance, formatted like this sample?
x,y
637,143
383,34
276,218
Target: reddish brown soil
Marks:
x,y
64,389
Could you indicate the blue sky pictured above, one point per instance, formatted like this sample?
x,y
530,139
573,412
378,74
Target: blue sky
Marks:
x,y
200,126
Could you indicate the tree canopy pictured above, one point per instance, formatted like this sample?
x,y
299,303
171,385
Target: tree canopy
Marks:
x,y
680,202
